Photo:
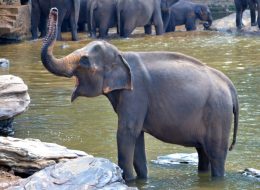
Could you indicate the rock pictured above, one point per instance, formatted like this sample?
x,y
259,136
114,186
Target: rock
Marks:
x,y
28,156
4,63
228,24
177,158
81,173
14,100
15,22
13,95
251,172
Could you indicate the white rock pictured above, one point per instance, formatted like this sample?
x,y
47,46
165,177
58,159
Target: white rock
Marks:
x,y
14,98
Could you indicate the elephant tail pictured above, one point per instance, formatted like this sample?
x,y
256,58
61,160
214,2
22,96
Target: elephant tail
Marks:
x,y
118,8
236,115
93,6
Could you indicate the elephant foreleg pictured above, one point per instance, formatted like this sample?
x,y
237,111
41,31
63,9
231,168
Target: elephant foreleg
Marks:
x,y
126,146
190,24
252,7
140,158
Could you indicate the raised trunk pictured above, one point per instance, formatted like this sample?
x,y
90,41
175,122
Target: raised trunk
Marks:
x,y
60,67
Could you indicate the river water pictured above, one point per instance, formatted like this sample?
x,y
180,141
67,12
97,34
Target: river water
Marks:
x,y
89,124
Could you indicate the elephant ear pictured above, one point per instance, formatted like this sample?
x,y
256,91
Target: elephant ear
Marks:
x,y
117,76
198,11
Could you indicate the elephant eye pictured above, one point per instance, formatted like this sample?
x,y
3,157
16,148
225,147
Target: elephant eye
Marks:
x,y
84,61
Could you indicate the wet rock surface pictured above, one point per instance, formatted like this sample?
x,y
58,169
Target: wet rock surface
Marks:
x,y
80,173
251,172
55,167
177,158
27,156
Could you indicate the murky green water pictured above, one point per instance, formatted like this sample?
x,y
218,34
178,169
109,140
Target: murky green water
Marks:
x,y
90,124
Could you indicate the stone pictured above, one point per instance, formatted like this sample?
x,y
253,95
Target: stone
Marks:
x,y
177,158
4,63
14,98
81,173
27,156
51,166
251,172
15,22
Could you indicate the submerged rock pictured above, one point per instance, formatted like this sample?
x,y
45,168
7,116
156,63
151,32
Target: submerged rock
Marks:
x,y
4,63
251,172
177,158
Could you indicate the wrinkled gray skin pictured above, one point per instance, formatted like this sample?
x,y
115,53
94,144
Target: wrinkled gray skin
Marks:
x,y
68,9
137,13
171,96
241,6
186,13
101,15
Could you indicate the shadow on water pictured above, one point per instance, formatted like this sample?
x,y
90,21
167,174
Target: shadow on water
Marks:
x,y
89,124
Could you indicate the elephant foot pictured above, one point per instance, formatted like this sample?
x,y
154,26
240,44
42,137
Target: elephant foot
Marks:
x,y
253,24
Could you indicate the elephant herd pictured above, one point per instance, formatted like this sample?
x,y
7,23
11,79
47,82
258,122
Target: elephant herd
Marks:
x,y
125,15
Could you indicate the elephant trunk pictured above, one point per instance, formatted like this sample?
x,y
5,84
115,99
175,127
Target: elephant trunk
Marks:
x,y
209,22
60,67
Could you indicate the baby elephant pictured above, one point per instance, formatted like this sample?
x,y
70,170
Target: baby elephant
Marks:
x,y
185,12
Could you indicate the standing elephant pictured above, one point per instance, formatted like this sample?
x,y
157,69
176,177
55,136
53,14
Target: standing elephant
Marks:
x,y
186,13
135,13
241,6
69,9
165,8
102,15
171,96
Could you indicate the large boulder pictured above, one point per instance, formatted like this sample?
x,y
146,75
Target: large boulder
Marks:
x,y
14,100
54,167
81,173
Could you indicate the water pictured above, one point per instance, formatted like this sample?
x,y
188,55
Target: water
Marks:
x,y
89,124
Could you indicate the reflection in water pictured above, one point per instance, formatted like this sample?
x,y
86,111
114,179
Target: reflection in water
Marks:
x,y
89,124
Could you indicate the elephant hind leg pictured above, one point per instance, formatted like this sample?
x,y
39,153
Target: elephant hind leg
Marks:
x,y
148,29
140,158
203,161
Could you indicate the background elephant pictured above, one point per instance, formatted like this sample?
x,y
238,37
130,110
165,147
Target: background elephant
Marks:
x,y
40,9
135,13
241,6
186,13
165,8
101,15
171,96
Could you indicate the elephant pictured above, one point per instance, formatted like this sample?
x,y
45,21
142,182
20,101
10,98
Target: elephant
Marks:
x,y
241,6
165,9
102,15
186,12
40,10
171,96
135,13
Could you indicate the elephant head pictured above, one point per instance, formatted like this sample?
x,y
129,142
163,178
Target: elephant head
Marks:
x,y
99,67
204,14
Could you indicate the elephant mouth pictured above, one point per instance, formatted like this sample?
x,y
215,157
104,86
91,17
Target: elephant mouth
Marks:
x,y
74,94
